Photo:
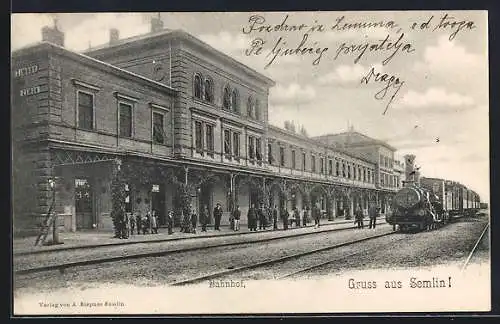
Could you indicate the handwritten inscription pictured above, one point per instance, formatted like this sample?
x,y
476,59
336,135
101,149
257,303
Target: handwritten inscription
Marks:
x,y
384,45
302,48
389,81
288,38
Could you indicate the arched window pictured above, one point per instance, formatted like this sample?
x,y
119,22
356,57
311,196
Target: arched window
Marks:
x,y
250,107
257,110
197,86
209,90
235,101
226,102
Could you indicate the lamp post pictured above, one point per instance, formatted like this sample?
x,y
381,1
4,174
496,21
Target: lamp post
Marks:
x,y
55,232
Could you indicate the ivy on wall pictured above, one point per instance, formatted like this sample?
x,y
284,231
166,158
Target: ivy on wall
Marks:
x,y
117,200
137,173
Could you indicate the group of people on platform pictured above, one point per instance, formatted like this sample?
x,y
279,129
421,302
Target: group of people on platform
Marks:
x,y
373,213
145,224
260,218
190,219
263,217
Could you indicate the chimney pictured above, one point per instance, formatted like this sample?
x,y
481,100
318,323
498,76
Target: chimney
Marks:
x,y
53,35
114,35
156,24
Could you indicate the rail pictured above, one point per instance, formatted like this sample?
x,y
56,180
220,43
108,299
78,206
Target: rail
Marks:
x,y
466,263
273,261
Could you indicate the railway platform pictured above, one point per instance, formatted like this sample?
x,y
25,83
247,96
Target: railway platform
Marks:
x,y
89,239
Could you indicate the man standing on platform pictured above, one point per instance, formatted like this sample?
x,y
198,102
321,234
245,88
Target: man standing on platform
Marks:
x,y
285,216
316,215
262,217
358,214
194,221
275,218
304,216
236,217
170,222
217,216
204,218
296,214
373,213
252,218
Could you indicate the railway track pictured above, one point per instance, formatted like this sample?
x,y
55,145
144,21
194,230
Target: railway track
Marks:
x,y
322,264
274,261
474,249
61,267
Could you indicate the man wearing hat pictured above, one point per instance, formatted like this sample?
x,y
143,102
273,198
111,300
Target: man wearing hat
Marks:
x,y
373,211
217,216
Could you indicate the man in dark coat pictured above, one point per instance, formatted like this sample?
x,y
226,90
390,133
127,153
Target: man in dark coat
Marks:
x,y
132,224
170,222
217,216
305,215
194,221
296,214
373,213
275,218
262,217
138,223
284,216
252,218
236,217
204,218
358,215
316,215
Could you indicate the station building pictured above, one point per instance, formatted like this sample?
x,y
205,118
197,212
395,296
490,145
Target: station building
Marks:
x,y
165,109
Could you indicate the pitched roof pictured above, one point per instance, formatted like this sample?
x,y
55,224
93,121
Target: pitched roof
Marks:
x,y
353,138
169,34
94,62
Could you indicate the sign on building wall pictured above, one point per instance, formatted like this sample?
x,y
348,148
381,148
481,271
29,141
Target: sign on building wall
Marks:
x,y
22,72
29,91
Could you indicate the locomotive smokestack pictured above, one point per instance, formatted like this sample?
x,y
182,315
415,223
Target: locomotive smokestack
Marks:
x,y
410,171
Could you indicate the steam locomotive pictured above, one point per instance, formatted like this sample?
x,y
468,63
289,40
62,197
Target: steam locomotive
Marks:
x,y
431,203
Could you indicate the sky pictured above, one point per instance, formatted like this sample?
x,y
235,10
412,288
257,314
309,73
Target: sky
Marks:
x,y
439,86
